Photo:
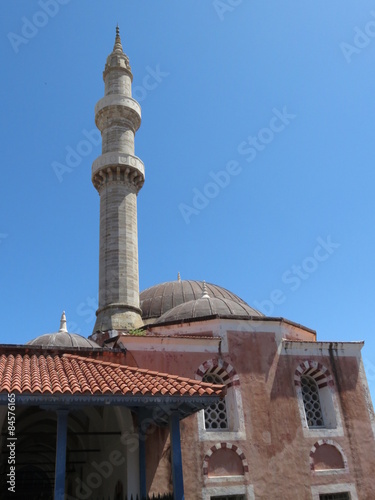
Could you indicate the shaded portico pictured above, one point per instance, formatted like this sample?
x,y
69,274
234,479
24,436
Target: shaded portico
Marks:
x,y
82,422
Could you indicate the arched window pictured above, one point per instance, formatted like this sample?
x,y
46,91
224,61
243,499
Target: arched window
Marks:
x,y
215,416
311,402
317,402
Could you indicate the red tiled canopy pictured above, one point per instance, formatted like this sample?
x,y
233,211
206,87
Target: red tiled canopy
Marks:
x,y
71,374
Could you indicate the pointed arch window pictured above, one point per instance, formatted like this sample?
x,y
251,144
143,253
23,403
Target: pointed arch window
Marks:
x,y
311,402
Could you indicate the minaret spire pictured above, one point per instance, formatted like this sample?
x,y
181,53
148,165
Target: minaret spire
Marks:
x,y
118,175
118,45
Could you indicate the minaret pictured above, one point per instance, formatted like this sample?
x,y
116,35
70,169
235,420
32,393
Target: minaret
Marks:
x,y
118,175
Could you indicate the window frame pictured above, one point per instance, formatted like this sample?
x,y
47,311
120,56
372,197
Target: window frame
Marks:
x,y
318,490
328,399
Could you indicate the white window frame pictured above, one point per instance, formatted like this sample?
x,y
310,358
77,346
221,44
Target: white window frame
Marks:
x,y
246,490
331,414
235,416
334,488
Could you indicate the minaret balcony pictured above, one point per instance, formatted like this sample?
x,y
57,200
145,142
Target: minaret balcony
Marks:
x,y
117,106
118,167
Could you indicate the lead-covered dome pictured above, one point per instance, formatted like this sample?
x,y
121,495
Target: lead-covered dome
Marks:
x,y
63,338
159,299
206,307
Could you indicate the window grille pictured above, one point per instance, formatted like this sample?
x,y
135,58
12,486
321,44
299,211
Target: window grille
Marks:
x,y
311,401
215,416
334,496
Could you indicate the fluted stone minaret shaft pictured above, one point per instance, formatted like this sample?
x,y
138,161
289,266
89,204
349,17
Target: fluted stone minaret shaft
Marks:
x,y
118,175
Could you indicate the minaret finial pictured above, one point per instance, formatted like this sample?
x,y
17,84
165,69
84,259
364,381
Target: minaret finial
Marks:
x,y
118,46
179,277
63,323
204,291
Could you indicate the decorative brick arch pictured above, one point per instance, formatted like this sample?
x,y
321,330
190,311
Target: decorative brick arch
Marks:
x,y
329,442
317,371
228,446
221,368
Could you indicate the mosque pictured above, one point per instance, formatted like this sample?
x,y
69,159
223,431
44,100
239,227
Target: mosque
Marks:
x,y
184,390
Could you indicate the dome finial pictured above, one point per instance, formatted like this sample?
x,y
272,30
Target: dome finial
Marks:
x,y
179,277
63,323
205,292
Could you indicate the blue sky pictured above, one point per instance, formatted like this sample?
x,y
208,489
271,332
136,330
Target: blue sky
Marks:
x,y
257,139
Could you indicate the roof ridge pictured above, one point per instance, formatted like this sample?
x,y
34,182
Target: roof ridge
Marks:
x,y
137,369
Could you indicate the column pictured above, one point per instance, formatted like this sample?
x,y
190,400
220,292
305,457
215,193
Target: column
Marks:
x,y
177,475
60,463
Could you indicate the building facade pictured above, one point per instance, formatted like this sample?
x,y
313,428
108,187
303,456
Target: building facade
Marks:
x,y
183,389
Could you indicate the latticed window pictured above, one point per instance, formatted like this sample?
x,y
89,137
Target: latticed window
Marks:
x,y
215,416
334,496
311,401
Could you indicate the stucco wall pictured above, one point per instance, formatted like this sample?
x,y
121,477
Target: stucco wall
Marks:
x,y
276,446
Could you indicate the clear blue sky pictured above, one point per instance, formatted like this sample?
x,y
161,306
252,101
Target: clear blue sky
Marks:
x,y
213,79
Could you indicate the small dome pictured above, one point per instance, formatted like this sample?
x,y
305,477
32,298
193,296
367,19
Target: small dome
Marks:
x,y
63,338
158,299
207,306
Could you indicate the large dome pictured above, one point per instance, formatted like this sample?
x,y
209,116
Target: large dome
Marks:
x,y
207,306
158,299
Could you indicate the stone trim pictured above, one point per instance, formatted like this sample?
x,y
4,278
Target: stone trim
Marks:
x,y
221,368
221,490
315,370
228,446
330,442
316,491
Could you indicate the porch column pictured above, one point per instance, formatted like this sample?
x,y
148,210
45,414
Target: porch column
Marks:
x,y
60,462
178,483
142,458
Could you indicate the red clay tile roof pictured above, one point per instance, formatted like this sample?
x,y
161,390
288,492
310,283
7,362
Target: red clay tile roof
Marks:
x,y
77,375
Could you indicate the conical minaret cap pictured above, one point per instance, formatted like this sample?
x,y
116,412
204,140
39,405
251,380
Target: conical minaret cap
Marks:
x,y
118,45
117,58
